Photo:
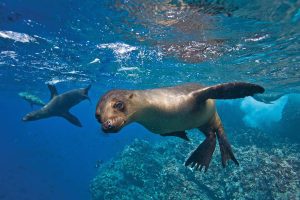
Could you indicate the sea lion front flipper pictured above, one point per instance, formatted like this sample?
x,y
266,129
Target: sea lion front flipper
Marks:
x,y
71,118
231,90
53,91
180,134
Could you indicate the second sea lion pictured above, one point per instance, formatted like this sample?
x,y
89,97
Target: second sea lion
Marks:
x,y
60,104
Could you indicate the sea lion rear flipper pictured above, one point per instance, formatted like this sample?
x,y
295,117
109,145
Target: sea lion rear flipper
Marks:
x,y
225,147
71,118
53,91
231,90
86,91
201,156
88,88
180,134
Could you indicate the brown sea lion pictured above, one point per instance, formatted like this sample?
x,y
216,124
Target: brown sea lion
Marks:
x,y
170,111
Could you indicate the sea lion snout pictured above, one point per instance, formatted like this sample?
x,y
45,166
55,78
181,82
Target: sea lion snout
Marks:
x,y
28,117
113,110
107,125
113,125
25,118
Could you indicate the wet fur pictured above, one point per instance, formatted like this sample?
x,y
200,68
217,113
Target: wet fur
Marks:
x,y
170,111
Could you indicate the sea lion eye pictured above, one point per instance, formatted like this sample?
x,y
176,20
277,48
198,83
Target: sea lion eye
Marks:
x,y
119,105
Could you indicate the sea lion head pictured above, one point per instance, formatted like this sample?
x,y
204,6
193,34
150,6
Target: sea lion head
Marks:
x,y
114,110
31,116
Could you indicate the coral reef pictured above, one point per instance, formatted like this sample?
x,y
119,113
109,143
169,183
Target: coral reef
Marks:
x,y
268,170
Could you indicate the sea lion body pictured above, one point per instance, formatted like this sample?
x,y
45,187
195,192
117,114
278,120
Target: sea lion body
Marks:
x,y
177,110
59,105
170,111
65,101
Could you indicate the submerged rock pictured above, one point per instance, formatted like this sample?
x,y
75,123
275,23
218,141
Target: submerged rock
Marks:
x,y
290,119
155,171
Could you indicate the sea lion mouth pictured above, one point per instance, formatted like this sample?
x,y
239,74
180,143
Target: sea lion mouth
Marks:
x,y
113,125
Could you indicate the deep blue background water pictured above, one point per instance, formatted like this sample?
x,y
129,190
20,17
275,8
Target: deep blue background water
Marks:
x,y
138,48
53,159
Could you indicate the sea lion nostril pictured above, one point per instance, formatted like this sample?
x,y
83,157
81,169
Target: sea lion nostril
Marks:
x,y
107,125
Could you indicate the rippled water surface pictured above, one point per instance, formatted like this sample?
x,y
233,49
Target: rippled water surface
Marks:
x,y
151,42
145,44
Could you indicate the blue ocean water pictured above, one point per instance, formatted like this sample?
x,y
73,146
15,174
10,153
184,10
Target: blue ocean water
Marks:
x,y
132,44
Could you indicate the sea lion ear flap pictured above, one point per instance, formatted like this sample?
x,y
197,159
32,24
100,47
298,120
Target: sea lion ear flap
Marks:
x,y
131,95
231,90
53,91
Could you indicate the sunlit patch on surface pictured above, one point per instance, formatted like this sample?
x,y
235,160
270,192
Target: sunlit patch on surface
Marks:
x,y
121,50
18,37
